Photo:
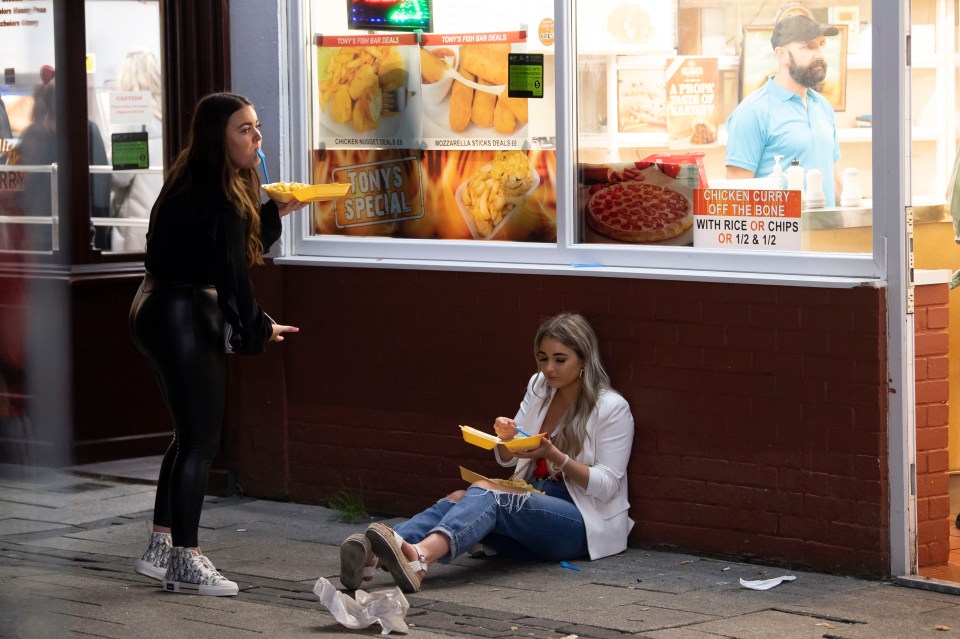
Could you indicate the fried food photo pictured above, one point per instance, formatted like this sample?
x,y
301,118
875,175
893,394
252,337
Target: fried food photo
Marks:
x,y
497,189
357,84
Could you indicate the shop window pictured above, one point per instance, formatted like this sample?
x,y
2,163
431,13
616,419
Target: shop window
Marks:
x,y
634,164
125,105
28,143
124,127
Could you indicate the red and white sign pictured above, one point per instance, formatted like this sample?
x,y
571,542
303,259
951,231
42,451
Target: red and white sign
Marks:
x,y
747,219
130,107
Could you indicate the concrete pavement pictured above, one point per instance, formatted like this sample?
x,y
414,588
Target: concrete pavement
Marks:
x,y
68,542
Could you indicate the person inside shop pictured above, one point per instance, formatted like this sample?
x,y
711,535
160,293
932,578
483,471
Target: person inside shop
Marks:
x,y
787,116
38,146
196,303
567,497
134,193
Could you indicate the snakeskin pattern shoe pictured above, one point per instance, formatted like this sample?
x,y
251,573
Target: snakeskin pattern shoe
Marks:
x,y
154,561
189,571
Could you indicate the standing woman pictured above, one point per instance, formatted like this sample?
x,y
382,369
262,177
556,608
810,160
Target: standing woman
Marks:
x,y
575,502
195,304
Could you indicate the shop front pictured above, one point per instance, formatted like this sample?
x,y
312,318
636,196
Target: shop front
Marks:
x,y
521,159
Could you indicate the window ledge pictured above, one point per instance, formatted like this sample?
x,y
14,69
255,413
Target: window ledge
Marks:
x,y
588,270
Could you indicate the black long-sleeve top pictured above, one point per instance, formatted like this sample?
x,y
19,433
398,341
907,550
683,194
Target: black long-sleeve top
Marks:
x,y
198,238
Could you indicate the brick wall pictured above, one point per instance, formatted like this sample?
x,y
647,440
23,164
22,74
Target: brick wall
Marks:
x,y
933,390
760,410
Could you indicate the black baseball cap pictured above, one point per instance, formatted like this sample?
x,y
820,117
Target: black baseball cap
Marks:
x,y
799,28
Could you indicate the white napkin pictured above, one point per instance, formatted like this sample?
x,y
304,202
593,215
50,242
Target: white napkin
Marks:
x,y
386,607
765,584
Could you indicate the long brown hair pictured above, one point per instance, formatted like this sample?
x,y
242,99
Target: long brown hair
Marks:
x,y
204,161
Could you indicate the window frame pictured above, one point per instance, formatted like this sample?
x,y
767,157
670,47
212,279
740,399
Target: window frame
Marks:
x,y
566,255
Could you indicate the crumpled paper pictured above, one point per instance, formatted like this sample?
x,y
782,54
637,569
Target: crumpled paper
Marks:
x,y
765,584
386,607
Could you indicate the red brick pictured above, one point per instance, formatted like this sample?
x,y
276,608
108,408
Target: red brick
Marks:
x,y
831,558
803,342
931,531
855,346
933,485
831,320
938,317
931,295
780,549
701,334
853,536
828,508
780,315
856,442
938,461
939,552
806,528
661,510
940,507
802,297
729,518
678,310
932,438
748,474
714,470
923,509
938,414
933,391
866,395
726,313
655,463
938,368
655,332
930,344
723,359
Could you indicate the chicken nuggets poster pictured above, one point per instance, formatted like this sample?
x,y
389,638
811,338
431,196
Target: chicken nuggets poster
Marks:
x,y
368,90
505,195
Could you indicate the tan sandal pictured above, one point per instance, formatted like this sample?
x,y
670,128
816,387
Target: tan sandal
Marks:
x,y
355,554
388,547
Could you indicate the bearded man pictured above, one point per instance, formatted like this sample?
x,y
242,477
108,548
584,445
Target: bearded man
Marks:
x,y
786,116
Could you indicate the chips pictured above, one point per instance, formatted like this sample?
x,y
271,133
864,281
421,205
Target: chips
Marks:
x,y
497,188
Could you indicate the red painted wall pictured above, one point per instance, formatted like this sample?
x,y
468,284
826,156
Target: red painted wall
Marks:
x,y
760,410
933,390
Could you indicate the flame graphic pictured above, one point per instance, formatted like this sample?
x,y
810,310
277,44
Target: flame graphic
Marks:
x,y
433,177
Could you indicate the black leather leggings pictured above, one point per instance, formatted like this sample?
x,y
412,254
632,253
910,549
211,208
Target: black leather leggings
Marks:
x,y
180,329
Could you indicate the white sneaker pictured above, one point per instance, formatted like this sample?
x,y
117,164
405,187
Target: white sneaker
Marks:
x,y
155,559
189,571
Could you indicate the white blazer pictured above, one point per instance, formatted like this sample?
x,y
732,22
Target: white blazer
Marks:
x,y
606,450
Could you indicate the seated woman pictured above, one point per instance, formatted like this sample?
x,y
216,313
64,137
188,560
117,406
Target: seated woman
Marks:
x,y
578,472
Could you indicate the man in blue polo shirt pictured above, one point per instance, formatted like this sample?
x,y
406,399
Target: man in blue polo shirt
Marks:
x,y
786,116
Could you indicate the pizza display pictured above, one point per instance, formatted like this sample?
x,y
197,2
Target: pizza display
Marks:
x,y
639,212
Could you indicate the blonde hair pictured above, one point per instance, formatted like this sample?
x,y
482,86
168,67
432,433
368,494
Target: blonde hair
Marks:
x,y
573,331
140,71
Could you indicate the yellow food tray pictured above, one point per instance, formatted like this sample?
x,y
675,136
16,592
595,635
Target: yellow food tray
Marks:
x,y
471,477
487,441
281,192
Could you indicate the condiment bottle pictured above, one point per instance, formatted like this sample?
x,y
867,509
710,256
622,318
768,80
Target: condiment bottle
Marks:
x,y
795,176
815,196
851,188
776,175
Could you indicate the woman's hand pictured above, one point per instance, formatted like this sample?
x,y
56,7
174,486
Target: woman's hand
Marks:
x,y
505,428
546,449
280,329
293,205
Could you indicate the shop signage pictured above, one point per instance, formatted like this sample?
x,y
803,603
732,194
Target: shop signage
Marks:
x,y
381,193
130,107
525,75
693,114
747,219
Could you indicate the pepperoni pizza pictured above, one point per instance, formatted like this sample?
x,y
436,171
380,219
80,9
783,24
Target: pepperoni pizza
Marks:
x,y
635,211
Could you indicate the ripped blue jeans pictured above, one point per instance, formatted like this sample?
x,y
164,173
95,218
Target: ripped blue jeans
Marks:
x,y
529,526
